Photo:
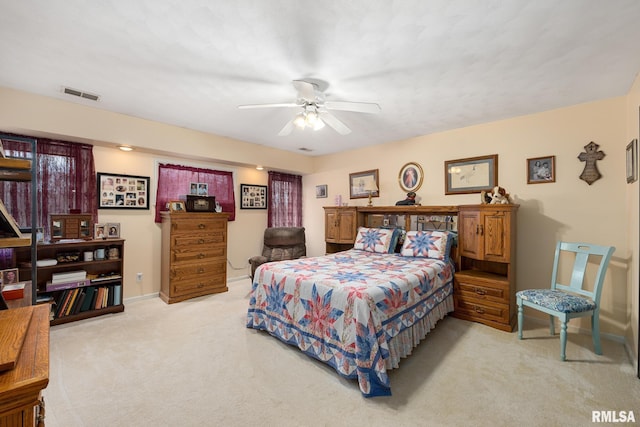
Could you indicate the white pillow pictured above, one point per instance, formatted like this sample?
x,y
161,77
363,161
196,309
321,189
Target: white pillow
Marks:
x,y
376,240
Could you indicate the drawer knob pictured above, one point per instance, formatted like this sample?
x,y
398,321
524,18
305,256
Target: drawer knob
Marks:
x,y
201,270
200,285
480,291
478,310
201,226
201,255
201,241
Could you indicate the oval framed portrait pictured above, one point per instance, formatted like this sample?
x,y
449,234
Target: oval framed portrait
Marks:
x,y
410,177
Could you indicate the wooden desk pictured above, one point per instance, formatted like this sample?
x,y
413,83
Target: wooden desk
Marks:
x,y
20,387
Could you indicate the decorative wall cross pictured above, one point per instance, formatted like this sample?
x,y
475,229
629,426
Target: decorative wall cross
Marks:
x,y
590,174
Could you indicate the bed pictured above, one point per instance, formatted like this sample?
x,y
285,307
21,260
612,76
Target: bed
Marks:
x,y
362,310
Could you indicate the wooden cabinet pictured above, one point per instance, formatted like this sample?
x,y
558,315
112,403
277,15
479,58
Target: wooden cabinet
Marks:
x,y
484,286
71,226
104,273
340,228
194,255
21,386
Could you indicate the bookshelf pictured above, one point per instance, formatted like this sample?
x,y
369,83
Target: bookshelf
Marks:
x,y
104,277
20,170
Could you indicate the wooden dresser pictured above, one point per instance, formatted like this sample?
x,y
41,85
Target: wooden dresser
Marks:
x,y
484,287
22,382
194,255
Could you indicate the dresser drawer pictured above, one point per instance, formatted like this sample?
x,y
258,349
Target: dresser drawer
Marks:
x,y
198,271
201,225
205,284
202,254
200,239
475,309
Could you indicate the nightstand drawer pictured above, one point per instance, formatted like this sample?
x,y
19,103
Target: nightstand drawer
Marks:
x,y
495,292
481,310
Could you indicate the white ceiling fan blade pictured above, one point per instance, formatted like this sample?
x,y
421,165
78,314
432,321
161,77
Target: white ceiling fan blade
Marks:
x,y
336,124
287,129
284,104
359,107
306,90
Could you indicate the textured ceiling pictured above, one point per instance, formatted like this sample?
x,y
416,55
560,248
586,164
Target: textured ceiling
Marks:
x,y
430,65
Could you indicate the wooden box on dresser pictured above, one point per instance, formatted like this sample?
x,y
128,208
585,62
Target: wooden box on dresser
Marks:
x,y
194,255
340,228
484,286
105,275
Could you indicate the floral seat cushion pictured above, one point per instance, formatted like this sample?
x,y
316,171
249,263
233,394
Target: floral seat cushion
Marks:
x,y
557,300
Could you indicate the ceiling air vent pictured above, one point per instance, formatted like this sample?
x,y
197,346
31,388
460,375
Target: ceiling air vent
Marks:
x,y
305,149
80,94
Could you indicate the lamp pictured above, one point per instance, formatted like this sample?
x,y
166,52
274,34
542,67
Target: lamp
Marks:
x,y
309,118
371,187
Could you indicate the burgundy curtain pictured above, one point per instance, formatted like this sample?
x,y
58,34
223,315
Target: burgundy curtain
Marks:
x,y
285,200
66,180
174,182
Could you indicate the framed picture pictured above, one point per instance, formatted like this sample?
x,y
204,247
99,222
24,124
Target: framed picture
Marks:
x,y
113,230
541,170
632,161
410,177
9,276
253,196
363,184
122,191
177,206
321,191
471,175
99,231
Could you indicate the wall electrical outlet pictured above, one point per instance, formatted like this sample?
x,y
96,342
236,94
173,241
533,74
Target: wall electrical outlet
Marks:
x,y
139,277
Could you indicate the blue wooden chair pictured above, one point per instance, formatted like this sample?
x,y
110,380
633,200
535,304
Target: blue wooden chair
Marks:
x,y
570,301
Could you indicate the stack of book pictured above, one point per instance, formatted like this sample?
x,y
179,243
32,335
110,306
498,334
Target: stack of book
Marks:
x,y
67,280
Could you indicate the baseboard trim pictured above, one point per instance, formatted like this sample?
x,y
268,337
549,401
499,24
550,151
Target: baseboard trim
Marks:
x,y
577,330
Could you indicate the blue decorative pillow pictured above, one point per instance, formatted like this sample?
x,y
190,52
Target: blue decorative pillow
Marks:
x,y
427,244
376,240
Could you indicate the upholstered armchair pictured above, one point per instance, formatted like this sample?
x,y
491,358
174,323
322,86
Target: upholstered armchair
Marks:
x,y
279,244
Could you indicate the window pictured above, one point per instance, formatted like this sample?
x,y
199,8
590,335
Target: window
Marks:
x,y
174,182
66,181
285,200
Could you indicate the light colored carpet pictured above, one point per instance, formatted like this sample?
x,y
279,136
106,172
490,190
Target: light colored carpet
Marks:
x,y
195,364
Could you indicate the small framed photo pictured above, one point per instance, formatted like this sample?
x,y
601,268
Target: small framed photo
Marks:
x,y
177,206
541,170
321,191
410,177
253,196
9,276
99,231
193,189
632,161
113,230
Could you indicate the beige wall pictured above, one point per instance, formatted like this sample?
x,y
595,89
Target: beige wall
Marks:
x,y
602,213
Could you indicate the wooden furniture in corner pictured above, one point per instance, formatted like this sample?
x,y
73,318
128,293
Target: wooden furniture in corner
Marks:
x,y
340,228
194,255
484,285
20,387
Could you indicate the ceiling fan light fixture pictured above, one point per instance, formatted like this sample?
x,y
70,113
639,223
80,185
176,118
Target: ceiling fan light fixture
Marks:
x,y
319,124
300,120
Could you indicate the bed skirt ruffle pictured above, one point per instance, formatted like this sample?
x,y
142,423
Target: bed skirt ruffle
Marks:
x,y
402,344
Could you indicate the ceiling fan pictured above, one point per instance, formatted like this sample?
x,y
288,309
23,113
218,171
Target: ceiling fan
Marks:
x,y
315,110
